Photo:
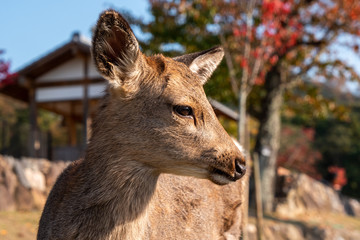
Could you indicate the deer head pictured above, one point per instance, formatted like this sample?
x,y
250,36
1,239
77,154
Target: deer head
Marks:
x,y
156,108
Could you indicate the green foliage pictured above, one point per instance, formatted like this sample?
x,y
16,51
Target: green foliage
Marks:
x,y
15,127
229,125
187,28
338,141
306,104
19,134
49,122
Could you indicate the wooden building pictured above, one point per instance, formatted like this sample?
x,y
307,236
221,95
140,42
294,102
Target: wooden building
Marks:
x,y
66,82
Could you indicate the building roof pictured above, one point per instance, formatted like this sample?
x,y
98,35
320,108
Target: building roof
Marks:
x,y
77,45
18,89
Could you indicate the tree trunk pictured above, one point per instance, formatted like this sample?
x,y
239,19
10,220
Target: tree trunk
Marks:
x,y
242,116
268,138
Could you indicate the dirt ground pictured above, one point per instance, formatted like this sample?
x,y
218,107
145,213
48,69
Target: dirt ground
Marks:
x,y
19,225
23,225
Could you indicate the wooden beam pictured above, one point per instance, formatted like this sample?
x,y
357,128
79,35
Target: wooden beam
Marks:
x,y
68,82
16,91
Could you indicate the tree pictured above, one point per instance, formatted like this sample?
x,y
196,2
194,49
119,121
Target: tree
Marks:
x,y
289,39
303,32
6,77
269,45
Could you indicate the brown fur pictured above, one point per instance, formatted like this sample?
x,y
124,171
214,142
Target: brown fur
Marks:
x,y
137,178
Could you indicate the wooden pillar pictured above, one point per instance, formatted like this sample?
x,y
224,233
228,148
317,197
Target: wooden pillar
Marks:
x,y
85,103
3,135
34,147
49,154
258,197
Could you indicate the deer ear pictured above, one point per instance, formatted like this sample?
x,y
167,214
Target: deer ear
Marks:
x,y
115,50
203,63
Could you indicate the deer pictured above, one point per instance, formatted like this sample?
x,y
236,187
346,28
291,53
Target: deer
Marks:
x,y
158,164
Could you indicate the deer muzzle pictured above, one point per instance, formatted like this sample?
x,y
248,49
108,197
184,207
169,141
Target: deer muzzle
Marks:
x,y
222,176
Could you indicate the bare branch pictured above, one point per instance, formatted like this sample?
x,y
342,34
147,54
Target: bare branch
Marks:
x,y
230,65
293,80
247,47
256,69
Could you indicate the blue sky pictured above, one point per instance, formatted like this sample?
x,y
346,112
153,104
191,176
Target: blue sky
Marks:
x,y
31,28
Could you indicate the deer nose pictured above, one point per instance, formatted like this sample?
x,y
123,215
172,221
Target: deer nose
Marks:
x,y
240,169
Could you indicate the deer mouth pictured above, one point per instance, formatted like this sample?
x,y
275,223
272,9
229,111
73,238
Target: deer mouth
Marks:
x,y
221,177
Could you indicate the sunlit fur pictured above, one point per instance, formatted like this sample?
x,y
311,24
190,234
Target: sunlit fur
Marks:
x,y
148,172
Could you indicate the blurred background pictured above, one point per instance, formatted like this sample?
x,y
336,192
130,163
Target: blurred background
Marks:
x,y
287,89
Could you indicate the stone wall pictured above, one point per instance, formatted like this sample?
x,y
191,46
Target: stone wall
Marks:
x,y
301,193
275,230
25,183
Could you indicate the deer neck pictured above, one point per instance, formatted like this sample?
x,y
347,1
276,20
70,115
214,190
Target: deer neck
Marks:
x,y
125,187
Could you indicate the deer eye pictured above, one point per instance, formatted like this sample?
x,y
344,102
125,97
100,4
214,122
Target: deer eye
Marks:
x,y
184,111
